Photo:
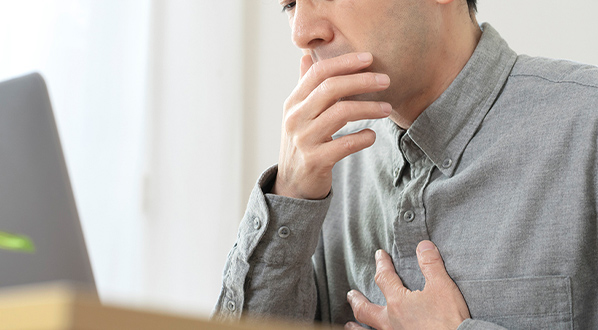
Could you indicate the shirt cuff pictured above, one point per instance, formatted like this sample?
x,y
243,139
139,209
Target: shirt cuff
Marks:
x,y
275,230
281,230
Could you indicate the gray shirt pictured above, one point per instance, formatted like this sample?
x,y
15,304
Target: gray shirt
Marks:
x,y
499,172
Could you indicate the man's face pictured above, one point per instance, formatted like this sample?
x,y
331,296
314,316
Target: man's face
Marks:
x,y
399,34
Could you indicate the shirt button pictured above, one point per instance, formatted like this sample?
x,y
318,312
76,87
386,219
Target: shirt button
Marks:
x,y
447,163
409,216
257,224
231,306
284,232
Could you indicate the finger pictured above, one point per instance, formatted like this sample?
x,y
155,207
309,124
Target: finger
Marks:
x,y
337,116
353,325
430,263
332,89
306,63
324,69
344,146
386,277
364,311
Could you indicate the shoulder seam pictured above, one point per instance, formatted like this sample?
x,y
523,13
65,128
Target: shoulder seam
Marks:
x,y
554,81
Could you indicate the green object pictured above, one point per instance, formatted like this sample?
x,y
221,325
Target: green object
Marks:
x,y
16,242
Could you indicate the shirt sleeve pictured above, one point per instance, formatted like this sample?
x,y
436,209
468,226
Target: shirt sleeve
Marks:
x,y
269,271
470,324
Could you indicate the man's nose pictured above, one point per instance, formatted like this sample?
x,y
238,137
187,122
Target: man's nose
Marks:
x,y
310,25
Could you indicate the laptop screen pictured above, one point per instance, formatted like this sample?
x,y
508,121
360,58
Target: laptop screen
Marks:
x,y
40,234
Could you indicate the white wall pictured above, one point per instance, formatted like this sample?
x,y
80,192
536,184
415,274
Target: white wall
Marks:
x,y
194,160
550,28
169,110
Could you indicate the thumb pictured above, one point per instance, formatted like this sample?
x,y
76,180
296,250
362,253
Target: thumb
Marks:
x,y
430,263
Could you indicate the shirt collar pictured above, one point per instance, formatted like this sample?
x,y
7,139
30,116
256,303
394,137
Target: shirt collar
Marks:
x,y
445,128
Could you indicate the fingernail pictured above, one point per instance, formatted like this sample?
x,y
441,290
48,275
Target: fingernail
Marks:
x,y
378,254
350,296
382,79
351,325
386,108
426,246
365,57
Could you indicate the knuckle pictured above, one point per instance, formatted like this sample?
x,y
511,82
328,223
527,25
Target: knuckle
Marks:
x,y
338,112
381,276
432,270
359,311
327,86
358,141
366,80
300,141
393,305
346,62
291,121
288,103
430,258
319,71
350,144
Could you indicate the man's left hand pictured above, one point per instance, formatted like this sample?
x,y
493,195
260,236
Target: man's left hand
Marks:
x,y
439,306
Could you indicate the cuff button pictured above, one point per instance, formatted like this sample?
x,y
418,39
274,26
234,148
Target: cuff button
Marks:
x,y
231,306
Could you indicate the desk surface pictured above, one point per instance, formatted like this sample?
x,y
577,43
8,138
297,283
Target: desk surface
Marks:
x,y
61,306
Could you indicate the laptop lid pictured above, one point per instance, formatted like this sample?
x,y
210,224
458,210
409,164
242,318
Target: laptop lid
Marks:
x,y
40,234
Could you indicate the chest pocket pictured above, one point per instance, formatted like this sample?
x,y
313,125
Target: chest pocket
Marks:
x,y
521,303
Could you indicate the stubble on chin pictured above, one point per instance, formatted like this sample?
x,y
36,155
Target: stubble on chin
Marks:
x,y
372,97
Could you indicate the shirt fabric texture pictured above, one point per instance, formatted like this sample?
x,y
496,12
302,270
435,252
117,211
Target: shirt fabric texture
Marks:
x,y
499,172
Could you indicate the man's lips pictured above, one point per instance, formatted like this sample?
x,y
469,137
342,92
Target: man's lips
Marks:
x,y
320,55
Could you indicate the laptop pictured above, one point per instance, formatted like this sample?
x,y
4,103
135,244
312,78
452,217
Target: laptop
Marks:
x,y
40,234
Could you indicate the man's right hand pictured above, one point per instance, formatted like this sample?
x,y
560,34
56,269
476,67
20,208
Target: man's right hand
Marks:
x,y
313,113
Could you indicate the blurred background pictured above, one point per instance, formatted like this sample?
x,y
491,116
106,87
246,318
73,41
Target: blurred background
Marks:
x,y
168,111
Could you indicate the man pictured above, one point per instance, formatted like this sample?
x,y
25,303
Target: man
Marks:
x,y
458,141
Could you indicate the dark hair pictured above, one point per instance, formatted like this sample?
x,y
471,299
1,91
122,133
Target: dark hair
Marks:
x,y
472,4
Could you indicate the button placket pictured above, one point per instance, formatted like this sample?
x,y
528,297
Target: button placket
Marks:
x,y
411,227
